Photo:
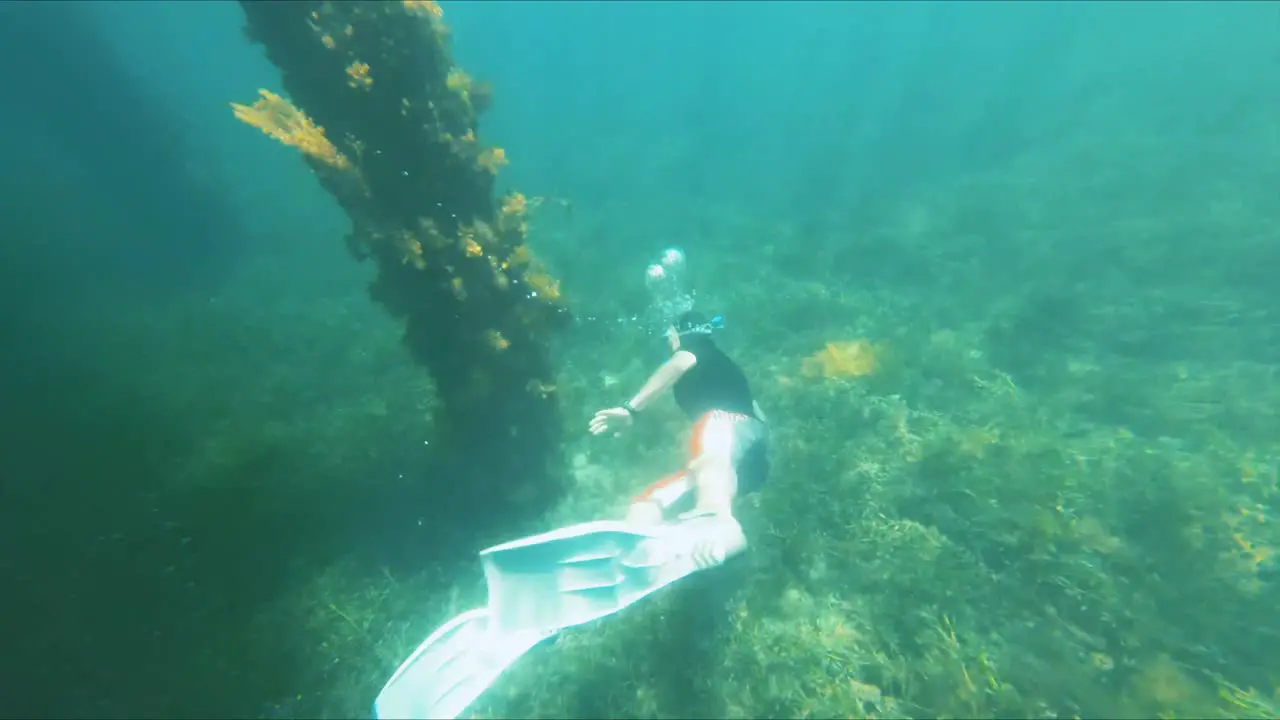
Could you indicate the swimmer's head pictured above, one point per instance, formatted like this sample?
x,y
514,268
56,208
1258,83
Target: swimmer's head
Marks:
x,y
692,330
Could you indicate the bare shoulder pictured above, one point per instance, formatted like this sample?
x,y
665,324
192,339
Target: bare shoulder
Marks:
x,y
684,359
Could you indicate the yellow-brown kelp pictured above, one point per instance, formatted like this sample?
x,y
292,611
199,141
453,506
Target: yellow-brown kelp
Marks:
x,y
388,124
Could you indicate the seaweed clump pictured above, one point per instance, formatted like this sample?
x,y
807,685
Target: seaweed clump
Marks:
x,y
388,125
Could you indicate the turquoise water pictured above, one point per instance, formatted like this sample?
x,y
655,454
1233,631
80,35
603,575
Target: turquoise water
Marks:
x,y
1002,276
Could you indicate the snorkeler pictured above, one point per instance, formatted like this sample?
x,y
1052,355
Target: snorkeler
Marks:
x,y
728,449
570,576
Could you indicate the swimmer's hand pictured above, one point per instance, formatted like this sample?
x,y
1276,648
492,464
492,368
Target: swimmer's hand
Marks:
x,y
613,420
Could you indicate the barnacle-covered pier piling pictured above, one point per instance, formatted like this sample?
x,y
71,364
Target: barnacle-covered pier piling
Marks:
x,y
389,125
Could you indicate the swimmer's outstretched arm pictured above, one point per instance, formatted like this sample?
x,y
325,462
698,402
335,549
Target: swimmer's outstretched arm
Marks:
x,y
759,413
663,378
615,418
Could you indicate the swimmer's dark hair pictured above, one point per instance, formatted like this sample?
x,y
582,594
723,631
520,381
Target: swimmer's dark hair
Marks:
x,y
695,332
692,321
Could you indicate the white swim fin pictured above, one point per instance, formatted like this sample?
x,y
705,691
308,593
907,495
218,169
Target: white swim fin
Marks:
x,y
451,668
585,572
538,586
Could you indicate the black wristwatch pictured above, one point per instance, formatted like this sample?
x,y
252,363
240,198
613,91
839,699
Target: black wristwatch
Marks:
x,y
630,410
